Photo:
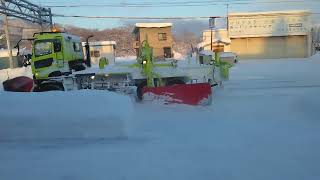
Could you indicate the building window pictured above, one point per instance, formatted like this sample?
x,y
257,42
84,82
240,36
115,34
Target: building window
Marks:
x,y
76,47
162,36
95,54
167,52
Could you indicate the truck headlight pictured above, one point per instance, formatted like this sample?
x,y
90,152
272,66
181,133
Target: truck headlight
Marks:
x,y
144,62
92,77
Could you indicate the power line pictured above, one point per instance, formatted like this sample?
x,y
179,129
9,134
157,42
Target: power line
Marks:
x,y
148,18
177,4
130,17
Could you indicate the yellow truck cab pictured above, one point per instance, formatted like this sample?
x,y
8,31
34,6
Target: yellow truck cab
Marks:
x,y
55,54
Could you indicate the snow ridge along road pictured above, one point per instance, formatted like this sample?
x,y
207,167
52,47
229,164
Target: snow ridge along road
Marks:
x,y
64,115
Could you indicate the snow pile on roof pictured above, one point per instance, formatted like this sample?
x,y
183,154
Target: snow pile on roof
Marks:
x,y
153,25
64,115
206,53
100,43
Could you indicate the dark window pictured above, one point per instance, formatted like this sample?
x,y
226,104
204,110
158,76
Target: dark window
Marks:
x,y
76,47
167,52
162,36
43,63
57,46
42,48
95,54
45,47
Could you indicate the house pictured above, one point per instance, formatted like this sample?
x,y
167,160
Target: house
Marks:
x,y
220,40
4,59
271,35
100,49
158,35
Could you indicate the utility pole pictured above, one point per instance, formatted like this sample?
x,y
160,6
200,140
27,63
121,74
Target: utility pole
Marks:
x,y
6,30
228,19
211,38
211,25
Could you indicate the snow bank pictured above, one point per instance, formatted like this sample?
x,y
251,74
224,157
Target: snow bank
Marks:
x,y
63,115
12,73
126,59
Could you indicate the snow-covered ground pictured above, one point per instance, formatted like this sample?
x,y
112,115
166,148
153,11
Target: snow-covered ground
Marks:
x,y
263,124
64,115
12,73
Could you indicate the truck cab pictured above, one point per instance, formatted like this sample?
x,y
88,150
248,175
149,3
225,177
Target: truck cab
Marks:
x,y
55,54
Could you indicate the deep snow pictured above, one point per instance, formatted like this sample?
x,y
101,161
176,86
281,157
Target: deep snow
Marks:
x,y
64,115
263,124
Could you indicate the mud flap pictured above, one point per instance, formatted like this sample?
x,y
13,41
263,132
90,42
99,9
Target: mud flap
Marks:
x,y
190,94
18,84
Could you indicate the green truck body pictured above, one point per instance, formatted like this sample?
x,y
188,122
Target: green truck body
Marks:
x,y
56,54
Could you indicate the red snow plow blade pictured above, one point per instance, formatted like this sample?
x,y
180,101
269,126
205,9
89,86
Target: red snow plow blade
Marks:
x,y
190,94
18,84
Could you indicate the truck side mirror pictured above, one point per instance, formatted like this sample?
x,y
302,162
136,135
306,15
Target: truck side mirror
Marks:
x,y
26,60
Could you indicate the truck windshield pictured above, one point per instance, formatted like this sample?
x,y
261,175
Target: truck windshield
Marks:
x,y
42,48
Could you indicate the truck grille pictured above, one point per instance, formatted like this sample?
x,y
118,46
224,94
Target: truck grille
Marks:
x,y
43,63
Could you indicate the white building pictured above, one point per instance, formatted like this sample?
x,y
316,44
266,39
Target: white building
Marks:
x,y
277,34
101,49
220,40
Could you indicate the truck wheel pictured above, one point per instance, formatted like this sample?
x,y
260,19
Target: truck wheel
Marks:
x,y
175,81
139,90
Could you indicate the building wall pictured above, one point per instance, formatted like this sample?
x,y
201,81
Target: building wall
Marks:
x,y
216,35
107,51
269,24
4,59
278,34
226,47
270,47
152,35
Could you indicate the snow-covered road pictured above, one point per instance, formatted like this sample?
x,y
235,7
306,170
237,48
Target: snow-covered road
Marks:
x,y
264,124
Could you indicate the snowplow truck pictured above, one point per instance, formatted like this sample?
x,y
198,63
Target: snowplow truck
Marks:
x,y
55,54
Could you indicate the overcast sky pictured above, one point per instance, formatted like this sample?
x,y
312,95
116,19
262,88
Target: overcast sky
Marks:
x,y
207,8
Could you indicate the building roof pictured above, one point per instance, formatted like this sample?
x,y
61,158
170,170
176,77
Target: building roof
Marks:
x,y
270,13
101,43
206,53
151,25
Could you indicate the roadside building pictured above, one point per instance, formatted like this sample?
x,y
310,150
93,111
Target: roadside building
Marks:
x,y
220,40
276,34
159,36
101,49
264,35
4,59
